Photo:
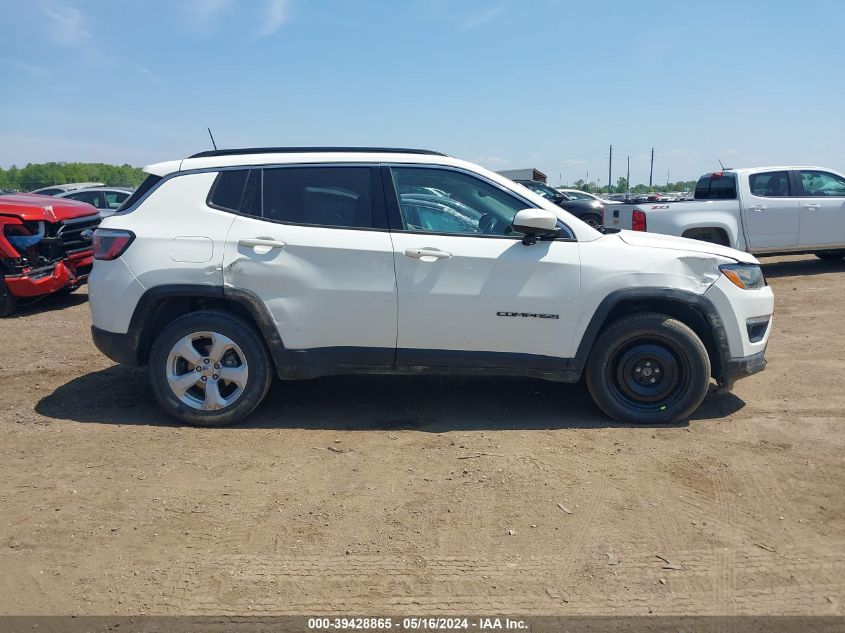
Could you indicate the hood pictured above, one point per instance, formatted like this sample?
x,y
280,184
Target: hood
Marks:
x,y
34,207
657,240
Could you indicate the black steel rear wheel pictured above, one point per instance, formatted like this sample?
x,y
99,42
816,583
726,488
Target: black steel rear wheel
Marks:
x,y
648,368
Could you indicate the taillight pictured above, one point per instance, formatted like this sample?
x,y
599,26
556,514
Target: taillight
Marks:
x,y
111,243
638,220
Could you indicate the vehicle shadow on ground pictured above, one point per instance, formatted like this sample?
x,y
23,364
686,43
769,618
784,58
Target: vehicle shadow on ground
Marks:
x,y
120,395
59,301
801,267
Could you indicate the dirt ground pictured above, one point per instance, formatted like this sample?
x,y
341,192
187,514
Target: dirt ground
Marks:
x,y
402,496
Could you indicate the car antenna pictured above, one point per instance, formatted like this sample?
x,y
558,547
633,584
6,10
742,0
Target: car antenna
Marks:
x,y
212,139
717,158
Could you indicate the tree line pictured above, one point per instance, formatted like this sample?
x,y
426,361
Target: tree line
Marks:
x,y
622,186
37,175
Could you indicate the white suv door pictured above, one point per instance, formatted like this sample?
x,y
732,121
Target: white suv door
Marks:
x,y
771,211
822,208
470,292
312,243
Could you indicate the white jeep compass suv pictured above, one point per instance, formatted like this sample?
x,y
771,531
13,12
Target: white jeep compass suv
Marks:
x,y
229,266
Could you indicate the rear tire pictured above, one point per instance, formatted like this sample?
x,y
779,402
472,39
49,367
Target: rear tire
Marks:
x,y
209,369
8,301
648,369
830,256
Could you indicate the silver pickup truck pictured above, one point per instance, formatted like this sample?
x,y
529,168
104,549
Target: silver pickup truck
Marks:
x,y
761,210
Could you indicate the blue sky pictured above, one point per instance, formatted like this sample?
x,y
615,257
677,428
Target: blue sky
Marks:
x,y
503,83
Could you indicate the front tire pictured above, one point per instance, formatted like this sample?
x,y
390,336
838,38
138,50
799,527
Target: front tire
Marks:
x,y
209,369
648,369
830,256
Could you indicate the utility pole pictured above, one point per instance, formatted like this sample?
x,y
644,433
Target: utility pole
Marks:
x,y
628,177
609,169
667,177
651,169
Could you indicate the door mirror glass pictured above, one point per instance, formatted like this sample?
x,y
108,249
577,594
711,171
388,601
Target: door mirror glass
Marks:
x,y
534,223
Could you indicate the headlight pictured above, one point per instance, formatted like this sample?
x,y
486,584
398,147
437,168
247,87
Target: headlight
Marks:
x,y
745,276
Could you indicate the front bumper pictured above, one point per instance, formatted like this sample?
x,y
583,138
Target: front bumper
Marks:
x,y
735,368
67,273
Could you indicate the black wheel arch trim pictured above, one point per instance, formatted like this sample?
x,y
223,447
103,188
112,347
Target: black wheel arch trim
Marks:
x,y
137,337
699,302
131,348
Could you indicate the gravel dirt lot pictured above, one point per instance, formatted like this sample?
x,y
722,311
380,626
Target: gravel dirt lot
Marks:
x,y
401,496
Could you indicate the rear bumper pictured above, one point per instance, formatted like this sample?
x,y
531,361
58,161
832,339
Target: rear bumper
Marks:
x,y
67,273
121,348
735,368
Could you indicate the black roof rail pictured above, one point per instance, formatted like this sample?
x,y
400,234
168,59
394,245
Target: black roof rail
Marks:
x,y
301,150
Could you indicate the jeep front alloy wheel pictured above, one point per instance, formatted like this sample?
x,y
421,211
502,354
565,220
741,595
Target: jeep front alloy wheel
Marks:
x,y
209,369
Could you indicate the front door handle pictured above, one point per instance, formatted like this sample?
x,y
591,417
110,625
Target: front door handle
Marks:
x,y
811,207
261,241
427,254
758,207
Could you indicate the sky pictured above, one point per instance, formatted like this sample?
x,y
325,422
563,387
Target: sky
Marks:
x,y
503,83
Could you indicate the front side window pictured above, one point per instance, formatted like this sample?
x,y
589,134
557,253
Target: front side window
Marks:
x,y
770,184
94,198
462,204
822,183
323,196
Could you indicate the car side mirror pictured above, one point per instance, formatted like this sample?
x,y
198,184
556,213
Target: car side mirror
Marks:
x,y
535,223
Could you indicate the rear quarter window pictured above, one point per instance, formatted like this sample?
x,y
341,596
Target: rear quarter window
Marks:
x,y
150,182
716,186
228,189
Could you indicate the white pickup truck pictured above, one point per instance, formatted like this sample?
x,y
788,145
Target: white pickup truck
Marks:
x,y
761,210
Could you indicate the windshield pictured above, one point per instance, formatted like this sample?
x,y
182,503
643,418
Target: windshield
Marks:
x,y
540,188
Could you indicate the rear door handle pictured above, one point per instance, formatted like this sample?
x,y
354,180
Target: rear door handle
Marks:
x,y
261,241
427,254
758,207
811,207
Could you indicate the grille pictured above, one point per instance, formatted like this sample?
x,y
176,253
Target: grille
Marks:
x,y
70,234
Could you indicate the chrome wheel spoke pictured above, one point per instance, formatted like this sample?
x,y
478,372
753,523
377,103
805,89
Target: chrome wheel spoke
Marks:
x,y
219,346
185,348
181,384
237,375
213,399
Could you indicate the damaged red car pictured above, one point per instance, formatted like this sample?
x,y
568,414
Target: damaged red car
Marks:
x,y
45,247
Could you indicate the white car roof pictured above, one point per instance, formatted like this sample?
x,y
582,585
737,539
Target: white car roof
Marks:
x,y
81,189
71,186
745,170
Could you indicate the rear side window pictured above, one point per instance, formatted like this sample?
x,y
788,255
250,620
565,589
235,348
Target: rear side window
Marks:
x,y
150,182
323,196
770,184
227,190
94,198
716,186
